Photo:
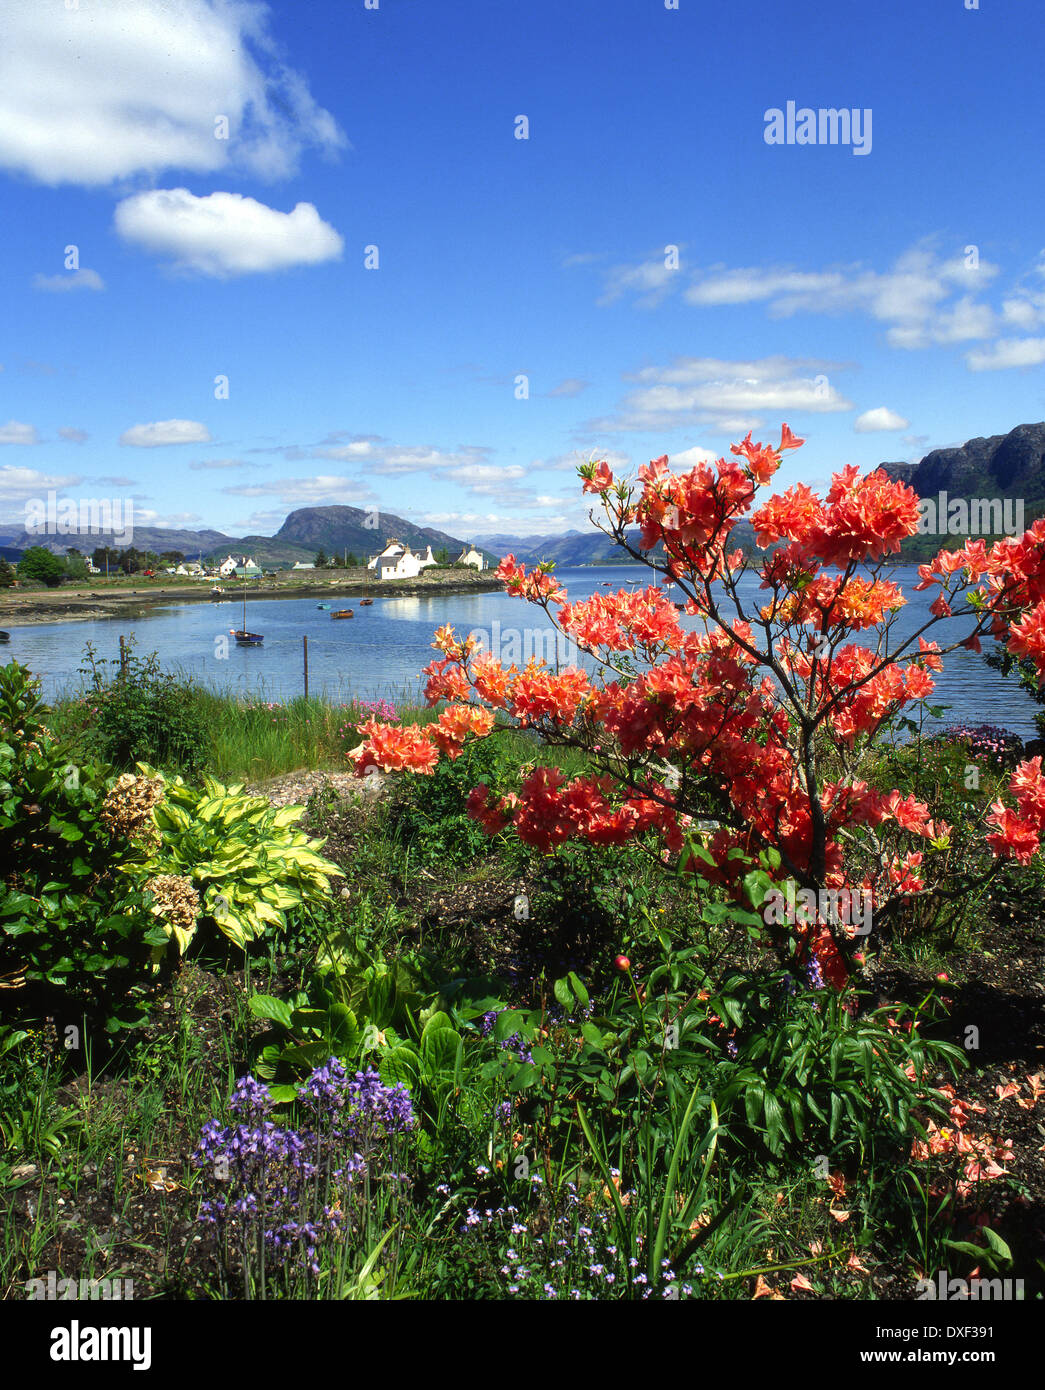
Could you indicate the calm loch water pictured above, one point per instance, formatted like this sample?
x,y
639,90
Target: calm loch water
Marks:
x,y
381,651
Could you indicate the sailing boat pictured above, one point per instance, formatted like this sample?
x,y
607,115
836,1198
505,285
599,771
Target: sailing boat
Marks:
x,y
366,601
243,637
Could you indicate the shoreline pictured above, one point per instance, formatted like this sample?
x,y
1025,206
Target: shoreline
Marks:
x,y
48,607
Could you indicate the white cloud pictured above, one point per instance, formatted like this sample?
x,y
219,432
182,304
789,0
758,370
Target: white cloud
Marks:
x,y
258,523
651,280
1007,352
223,463
909,296
572,386
20,485
923,298
14,432
105,91
356,449
725,395
72,280
225,234
472,525
72,436
747,286
175,521
480,476
690,458
1024,311
166,432
298,492
383,459
881,418
617,459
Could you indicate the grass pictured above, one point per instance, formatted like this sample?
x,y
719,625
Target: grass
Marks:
x,y
253,739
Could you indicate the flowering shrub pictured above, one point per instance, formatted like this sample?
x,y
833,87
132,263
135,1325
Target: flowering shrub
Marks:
x,y
987,742
774,708
293,1200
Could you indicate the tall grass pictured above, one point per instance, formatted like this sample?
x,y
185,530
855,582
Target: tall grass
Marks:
x,y
252,739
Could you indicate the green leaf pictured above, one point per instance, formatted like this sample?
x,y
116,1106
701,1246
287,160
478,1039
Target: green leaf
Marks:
x,y
400,1064
268,1006
563,994
578,989
998,1245
525,1076
507,1024
439,1049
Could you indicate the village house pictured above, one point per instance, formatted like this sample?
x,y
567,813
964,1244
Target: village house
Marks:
x,y
230,566
470,556
398,561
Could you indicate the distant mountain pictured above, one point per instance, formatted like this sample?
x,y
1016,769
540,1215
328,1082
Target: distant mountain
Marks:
x,y
582,547
157,538
1007,466
337,529
305,531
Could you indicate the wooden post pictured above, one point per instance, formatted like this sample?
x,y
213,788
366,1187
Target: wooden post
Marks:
x,y
123,658
305,641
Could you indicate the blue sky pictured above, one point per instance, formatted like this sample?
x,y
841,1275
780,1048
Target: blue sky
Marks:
x,y
882,303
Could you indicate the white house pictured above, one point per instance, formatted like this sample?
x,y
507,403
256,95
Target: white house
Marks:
x,y
302,565
230,565
470,556
398,561
190,567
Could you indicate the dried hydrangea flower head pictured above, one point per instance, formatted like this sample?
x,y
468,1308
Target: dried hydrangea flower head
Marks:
x,y
127,810
176,902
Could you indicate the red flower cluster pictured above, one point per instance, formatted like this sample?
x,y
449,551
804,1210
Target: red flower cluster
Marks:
x,y
747,705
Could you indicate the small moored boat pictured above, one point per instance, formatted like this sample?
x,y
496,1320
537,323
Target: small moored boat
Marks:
x,y
5,637
365,602
341,613
323,605
242,636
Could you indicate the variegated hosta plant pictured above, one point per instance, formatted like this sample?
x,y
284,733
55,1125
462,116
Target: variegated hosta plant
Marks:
x,y
241,857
